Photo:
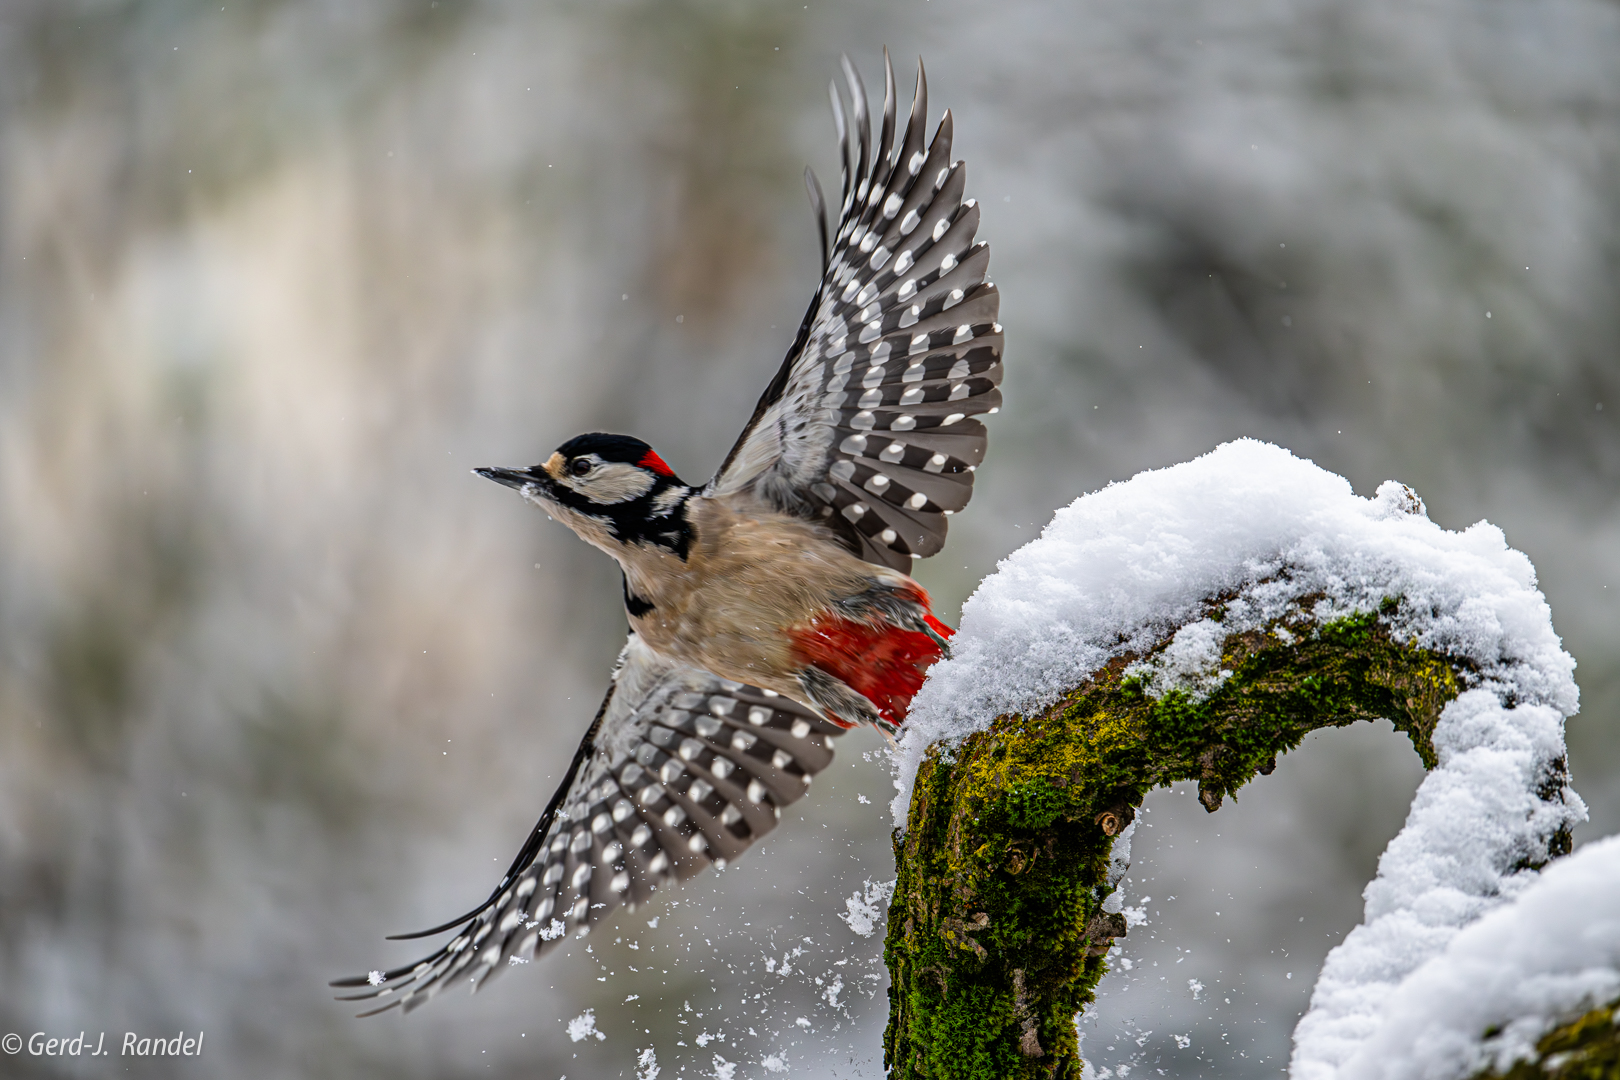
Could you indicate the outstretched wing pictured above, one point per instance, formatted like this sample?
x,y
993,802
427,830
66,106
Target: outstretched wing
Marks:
x,y
679,770
867,425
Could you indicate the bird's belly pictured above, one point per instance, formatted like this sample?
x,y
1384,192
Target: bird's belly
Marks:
x,y
735,615
732,631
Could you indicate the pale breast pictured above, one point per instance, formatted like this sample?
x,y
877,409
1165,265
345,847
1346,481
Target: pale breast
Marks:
x,y
751,573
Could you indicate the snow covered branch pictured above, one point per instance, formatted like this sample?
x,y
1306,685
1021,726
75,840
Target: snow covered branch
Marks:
x,y
1192,624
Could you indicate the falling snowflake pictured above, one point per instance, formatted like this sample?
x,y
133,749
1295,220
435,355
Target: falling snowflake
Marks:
x,y
584,1024
866,907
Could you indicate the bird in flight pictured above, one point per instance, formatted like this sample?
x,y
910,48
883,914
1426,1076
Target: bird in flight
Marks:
x,y
770,609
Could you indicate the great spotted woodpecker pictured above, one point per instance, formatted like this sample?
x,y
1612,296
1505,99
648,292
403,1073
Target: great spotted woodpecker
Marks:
x,y
770,609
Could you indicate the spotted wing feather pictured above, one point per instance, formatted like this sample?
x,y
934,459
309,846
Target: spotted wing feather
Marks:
x,y
868,425
687,769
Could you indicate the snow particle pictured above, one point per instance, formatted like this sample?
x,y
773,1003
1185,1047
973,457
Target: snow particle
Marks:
x,y
584,1025
866,907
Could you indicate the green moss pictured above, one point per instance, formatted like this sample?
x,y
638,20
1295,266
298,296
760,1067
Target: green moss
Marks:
x,y
1034,805
996,936
1586,1048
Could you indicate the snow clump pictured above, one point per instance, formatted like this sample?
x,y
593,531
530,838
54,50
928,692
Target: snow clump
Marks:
x,y
866,908
584,1025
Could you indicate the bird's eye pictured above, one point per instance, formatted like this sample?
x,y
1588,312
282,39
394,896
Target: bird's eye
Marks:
x,y
579,467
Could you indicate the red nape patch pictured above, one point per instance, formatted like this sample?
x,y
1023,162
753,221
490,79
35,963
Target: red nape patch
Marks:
x,y
656,464
882,663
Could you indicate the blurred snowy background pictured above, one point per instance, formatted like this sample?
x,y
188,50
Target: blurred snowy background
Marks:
x,y
278,675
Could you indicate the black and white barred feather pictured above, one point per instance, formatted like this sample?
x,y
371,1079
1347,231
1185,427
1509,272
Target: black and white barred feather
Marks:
x,y
867,425
682,769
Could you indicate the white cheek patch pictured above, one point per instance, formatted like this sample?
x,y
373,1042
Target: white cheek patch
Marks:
x,y
613,482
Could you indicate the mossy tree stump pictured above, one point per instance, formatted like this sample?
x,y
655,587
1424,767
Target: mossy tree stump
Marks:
x,y
996,932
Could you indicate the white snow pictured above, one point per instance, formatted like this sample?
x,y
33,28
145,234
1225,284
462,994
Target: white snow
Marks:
x,y
1124,568
1550,955
866,908
584,1025
647,1065
1119,862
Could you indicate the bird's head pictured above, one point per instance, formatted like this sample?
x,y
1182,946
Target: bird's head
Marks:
x,y
613,490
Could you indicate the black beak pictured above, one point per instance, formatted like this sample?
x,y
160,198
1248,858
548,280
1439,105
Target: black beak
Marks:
x,y
514,478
